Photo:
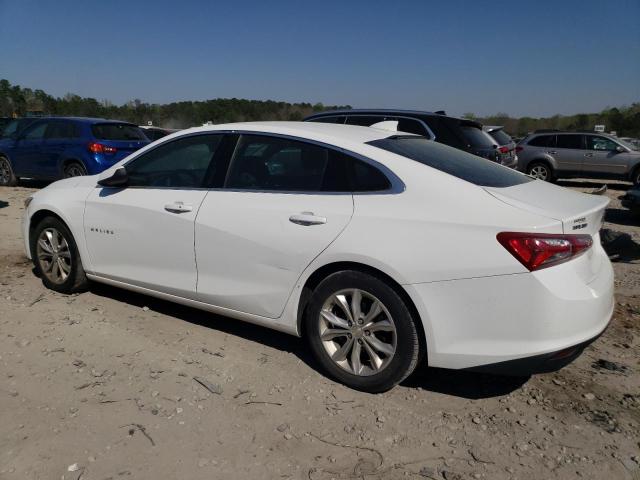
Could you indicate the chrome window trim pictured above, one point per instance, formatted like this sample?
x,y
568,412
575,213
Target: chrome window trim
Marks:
x,y
397,185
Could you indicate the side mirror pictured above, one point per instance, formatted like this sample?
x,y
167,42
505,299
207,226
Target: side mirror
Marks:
x,y
620,149
117,178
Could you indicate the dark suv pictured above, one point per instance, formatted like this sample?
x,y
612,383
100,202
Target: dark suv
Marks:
x,y
459,133
56,147
548,155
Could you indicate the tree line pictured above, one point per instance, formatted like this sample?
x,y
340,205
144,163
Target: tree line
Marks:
x,y
18,101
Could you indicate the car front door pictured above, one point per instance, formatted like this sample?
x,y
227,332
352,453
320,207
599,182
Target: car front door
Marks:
x,y
143,234
569,152
28,153
255,236
603,157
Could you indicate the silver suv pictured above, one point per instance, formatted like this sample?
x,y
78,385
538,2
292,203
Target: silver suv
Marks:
x,y
548,155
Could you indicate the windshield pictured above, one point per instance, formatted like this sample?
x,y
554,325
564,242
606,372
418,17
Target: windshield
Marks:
x,y
450,160
476,137
117,131
501,137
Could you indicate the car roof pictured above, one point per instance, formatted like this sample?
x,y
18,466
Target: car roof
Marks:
x,y
323,132
389,111
77,119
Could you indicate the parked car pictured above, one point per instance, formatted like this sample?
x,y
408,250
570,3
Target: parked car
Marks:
x,y
459,133
631,200
362,240
154,133
634,143
548,155
506,146
53,148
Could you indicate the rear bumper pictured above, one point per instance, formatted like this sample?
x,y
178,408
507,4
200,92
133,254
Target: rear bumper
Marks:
x,y
545,363
536,320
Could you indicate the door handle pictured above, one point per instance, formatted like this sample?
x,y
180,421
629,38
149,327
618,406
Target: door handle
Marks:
x,y
552,152
307,219
178,207
588,154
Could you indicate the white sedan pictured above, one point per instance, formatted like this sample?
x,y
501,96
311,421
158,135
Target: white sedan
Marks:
x,y
384,250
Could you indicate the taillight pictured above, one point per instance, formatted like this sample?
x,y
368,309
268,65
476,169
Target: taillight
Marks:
x,y
95,147
503,149
541,250
519,148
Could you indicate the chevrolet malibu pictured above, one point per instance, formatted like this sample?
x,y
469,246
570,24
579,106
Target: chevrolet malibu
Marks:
x,y
384,250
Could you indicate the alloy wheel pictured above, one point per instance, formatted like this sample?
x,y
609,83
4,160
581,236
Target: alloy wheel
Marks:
x,y
539,172
54,255
357,332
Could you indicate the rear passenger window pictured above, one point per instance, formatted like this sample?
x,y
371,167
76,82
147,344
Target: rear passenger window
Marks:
x,y
569,141
412,126
273,163
543,141
61,130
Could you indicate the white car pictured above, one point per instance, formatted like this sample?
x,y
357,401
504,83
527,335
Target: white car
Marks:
x,y
383,249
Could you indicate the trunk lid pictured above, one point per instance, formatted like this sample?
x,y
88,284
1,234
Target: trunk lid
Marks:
x,y
580,213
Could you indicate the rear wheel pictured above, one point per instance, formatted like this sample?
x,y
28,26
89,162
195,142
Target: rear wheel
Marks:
x,y
7,177
74,169
56,258
361,332
635,177
541,171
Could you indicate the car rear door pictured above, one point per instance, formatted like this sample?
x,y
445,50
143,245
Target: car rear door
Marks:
x,y
569,152
143,234
59,135
602,157
255,236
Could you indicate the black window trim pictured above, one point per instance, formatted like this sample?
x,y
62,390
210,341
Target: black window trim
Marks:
x,y
396,185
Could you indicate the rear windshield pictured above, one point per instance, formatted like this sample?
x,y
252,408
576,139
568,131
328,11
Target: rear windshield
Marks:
x,y
476,137
455,162
117,131
501,137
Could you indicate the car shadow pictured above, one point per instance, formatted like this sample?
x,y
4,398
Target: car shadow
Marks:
x,y
595,184
3,204
463,384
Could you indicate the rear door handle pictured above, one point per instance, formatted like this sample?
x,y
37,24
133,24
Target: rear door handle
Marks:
x,y
552,152
588,154
307,219
178,207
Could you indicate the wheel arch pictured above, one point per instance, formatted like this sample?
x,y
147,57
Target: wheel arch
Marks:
x,y
324,271
68,161
37,217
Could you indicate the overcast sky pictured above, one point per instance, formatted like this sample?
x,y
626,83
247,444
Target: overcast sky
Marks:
x,y
520,57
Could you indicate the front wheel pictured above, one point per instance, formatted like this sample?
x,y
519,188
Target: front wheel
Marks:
x,y
7,177
56,258
361,332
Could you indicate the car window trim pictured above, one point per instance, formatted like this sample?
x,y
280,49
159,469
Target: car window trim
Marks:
x,y
431,136
396,185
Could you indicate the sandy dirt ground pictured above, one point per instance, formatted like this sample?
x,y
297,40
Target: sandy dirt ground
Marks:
x,y
102,385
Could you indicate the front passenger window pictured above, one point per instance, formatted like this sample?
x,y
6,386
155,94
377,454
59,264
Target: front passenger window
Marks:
x,y
181,163
601,144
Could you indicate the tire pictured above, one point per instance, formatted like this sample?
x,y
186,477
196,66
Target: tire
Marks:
x,y
541,171
74,169
7,177
56,258
635,177
343,347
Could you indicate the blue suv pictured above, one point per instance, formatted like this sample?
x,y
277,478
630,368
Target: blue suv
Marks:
x,y
53,148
